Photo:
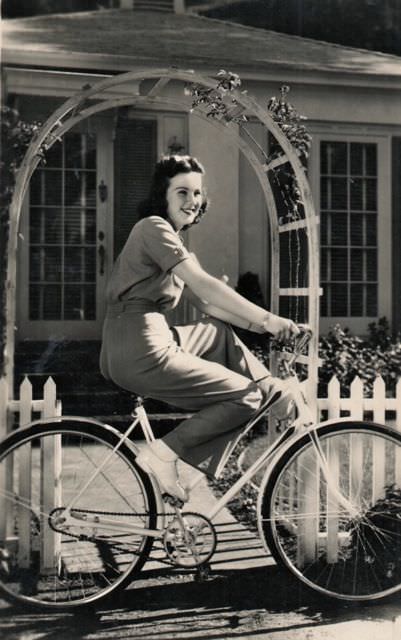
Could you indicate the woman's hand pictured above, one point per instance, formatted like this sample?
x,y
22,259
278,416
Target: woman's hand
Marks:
x,y
281,328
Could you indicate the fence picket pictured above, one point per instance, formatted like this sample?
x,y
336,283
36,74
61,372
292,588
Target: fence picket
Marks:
x,y
356,451
398,423
378,453
50,480
333,396
25,480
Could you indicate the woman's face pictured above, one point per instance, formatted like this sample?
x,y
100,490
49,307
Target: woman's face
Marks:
x,y
184,198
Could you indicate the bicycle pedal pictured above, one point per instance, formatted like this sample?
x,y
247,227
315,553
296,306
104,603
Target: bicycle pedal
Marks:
x,y
173,501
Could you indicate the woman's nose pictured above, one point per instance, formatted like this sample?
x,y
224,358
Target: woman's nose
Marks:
x,y
191,200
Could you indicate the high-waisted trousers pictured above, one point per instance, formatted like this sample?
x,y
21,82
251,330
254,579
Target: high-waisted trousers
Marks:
x,y
202,367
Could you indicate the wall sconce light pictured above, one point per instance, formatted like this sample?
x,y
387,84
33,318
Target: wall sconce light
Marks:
x,y
174,145
103,192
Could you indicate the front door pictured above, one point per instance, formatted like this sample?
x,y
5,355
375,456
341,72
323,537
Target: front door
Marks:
x,y
64,239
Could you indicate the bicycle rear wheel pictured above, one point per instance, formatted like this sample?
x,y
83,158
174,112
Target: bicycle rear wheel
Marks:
x,y
348,551
50,563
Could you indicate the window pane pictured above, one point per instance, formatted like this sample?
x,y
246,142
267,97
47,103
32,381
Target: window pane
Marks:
x,y
339,264
73,267
357,194
324,193
356,300
54,155
51,302
357,264
371,265
334,157
80,189
90,264
338,193
371,229
371,160
79,302
339,300
339,228
371,194
349,223
35,263
45,302
53,226
371,300
73,151
36,222
323,301
53,188
59,236
80,151
52,264
357,229
324,221
36,187
323,264
357,159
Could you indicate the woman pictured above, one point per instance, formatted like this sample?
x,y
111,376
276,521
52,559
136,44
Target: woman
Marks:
x,y
202,366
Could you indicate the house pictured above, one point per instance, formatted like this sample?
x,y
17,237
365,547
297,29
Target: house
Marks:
x,y
82,203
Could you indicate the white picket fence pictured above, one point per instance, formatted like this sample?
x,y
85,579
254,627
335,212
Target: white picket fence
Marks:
x,y
28,408
356,405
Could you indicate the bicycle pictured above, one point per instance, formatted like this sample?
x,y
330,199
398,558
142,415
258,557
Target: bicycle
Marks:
x,y
327,508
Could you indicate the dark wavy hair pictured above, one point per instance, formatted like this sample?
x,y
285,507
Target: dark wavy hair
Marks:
x,y
165,170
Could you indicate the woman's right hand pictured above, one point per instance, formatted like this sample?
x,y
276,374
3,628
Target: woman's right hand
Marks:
x,y
280,328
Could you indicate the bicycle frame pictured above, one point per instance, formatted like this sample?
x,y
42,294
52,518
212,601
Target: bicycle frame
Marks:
x,y
304,423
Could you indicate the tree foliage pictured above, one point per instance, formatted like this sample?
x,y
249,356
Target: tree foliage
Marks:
x,y
15,138
370,24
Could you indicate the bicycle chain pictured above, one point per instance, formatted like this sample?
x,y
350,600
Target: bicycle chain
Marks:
x,y
84,537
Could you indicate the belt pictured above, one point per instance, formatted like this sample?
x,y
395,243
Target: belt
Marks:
x,y
139,305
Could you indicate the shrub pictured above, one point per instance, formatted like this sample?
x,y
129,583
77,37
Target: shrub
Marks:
x,y
347,356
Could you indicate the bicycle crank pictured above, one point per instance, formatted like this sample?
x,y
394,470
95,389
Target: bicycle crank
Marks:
x,y
190,540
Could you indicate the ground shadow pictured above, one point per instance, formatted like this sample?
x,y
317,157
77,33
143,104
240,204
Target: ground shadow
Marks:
x,y
238,603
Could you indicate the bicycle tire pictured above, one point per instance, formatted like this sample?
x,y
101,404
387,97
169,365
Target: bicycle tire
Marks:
x,y
341,553
42,468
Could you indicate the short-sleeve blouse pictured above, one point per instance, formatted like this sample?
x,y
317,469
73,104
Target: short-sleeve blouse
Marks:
x,y
143,268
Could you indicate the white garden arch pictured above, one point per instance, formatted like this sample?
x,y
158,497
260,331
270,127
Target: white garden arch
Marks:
x,y
143,88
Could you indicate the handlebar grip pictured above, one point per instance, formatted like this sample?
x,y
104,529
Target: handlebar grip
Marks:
x,y
305,328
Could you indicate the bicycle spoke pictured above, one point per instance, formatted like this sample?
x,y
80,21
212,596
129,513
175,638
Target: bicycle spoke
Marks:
x,y
57,560
330,516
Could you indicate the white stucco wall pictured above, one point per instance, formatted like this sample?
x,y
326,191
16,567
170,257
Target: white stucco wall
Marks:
x,y
216,239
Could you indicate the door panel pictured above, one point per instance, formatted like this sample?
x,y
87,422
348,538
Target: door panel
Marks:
x,y
61,287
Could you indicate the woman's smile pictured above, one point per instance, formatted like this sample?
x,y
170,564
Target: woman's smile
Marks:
x,y
184,198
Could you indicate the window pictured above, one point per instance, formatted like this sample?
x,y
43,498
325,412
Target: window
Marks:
x,y
349,233
62,233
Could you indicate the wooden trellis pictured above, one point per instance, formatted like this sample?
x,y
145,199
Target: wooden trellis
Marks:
x,y
150,88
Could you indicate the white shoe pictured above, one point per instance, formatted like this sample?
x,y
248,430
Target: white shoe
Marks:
x,y
161,461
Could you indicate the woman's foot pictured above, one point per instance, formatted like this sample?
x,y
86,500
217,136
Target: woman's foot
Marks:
x,y
161,461
282,412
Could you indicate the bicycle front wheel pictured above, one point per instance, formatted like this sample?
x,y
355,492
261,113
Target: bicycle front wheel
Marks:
x,y
338,531
47,559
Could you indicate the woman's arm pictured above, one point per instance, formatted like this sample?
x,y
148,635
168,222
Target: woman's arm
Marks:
x,y
219,295
220,314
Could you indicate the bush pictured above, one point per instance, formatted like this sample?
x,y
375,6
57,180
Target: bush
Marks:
x,y
347,356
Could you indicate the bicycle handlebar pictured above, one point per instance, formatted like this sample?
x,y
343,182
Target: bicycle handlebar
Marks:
x,y
300,342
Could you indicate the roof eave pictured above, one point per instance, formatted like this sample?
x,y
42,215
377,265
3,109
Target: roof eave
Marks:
x,y
266,71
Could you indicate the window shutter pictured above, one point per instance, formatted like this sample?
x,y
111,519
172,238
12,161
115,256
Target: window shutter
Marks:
x,y
135,158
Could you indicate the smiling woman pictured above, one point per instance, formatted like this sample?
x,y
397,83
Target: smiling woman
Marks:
x,y
200,367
